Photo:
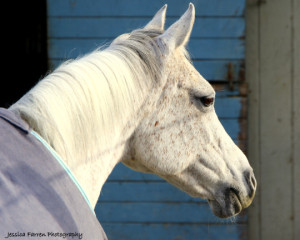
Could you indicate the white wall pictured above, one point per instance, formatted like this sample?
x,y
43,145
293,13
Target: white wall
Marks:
x,y
273,74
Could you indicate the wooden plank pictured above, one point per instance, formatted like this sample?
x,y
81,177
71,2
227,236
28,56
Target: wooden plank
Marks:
x,y
229,107
216,70
232,127
117,231
296,119
143,192
127,212
223,90
212,70
217,48
94,8
275,115
123,173
110,27
199,48
253,79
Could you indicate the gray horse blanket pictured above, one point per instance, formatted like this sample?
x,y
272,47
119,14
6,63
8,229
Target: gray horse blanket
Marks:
x,y
38,198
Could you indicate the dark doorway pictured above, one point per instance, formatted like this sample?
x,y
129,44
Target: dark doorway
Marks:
x,y
25,53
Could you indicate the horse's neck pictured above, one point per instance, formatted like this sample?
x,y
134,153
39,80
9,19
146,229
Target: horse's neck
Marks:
x,y
75,115
93,174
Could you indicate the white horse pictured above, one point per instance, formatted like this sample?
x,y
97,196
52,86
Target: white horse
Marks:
x,y
140,101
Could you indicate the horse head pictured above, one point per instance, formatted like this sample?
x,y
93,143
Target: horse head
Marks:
x,y
180,138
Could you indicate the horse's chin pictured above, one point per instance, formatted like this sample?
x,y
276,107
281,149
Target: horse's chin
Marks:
x,y
227,209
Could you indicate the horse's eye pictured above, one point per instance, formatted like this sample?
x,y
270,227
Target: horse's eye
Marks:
x,y
207,101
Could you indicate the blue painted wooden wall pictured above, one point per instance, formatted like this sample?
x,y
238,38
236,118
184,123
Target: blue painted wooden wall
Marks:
x,y
141,206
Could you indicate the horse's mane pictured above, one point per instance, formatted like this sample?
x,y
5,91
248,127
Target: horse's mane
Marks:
x,y
87,100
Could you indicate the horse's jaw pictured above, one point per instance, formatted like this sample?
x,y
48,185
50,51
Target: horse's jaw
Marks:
x,y
227,194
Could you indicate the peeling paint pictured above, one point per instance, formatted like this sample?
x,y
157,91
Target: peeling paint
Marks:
x,y
230,76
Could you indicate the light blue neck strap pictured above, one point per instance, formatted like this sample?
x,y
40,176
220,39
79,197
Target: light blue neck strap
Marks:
x,y
65,167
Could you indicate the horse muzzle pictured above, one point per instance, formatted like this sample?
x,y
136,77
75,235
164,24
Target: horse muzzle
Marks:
x,y
232,201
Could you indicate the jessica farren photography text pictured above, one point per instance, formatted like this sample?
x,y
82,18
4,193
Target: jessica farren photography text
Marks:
x,y
54,235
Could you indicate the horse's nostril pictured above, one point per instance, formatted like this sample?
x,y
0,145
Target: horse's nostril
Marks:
x,y
231,192
251,181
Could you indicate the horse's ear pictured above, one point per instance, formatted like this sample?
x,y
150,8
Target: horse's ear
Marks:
x,y
179,32
158,21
